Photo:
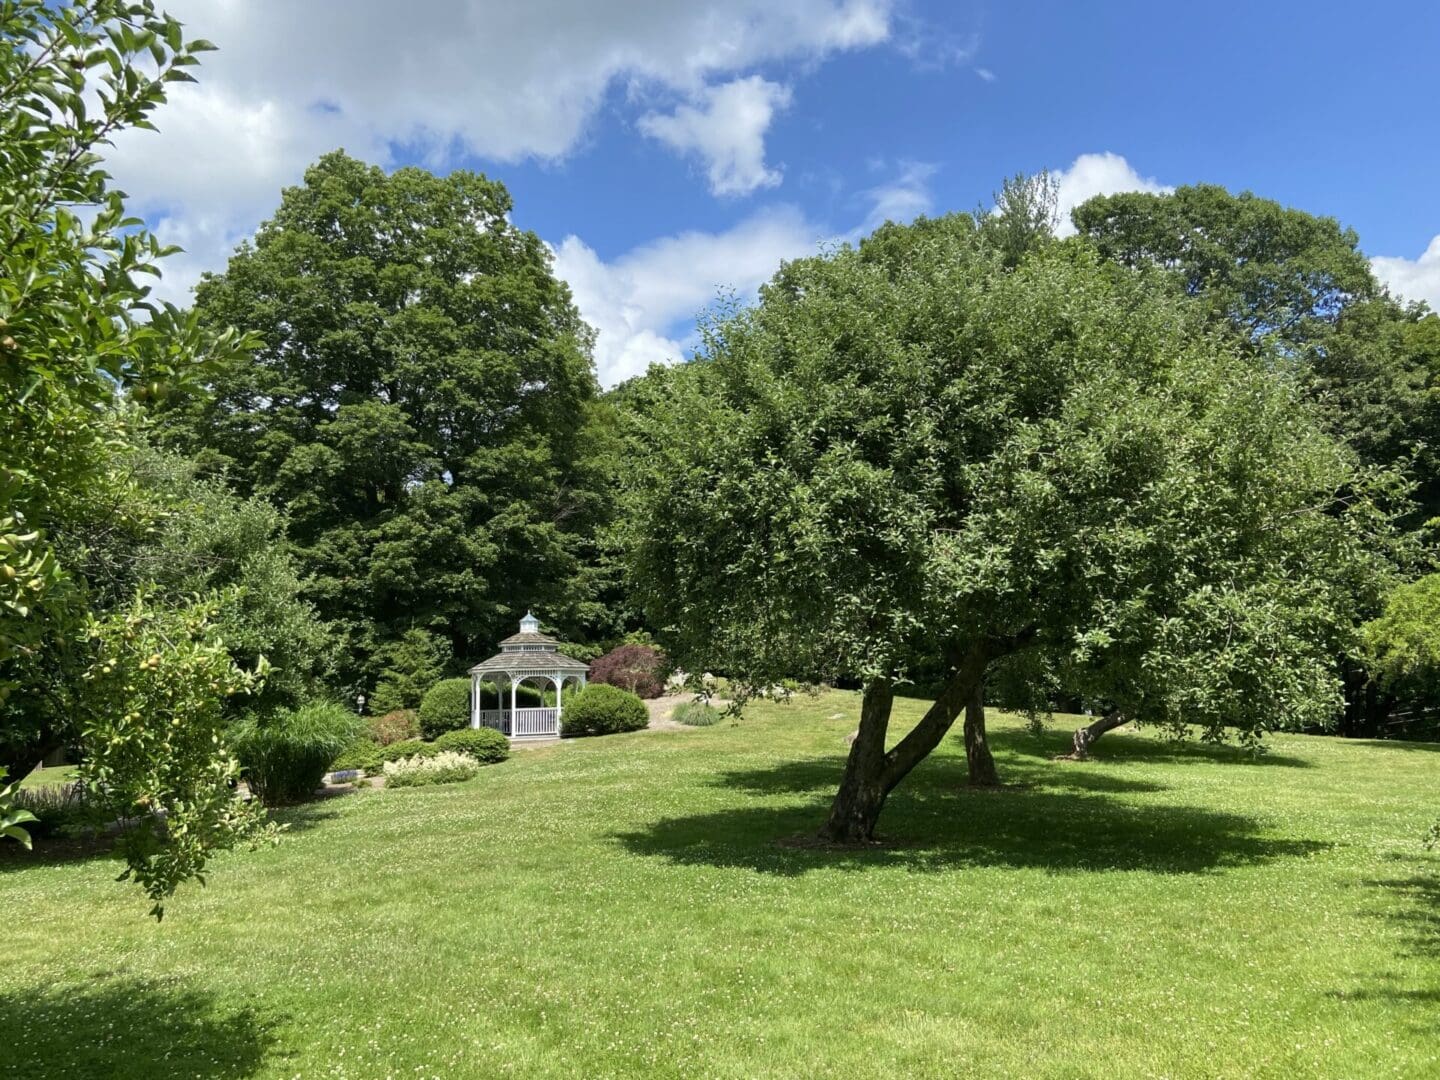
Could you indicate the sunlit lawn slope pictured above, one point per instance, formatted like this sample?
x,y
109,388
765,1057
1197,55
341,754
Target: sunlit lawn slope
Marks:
x,y
619,906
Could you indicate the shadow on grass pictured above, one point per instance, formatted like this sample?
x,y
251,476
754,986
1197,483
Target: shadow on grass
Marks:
x,y
1414,911
121,1027
1120,748
933,822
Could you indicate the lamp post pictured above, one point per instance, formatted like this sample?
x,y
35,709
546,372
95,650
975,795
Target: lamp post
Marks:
x,y
360,704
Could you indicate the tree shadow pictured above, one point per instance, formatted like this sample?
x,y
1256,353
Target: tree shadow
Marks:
x,y
1416,916
933,822
123,1027
1121,748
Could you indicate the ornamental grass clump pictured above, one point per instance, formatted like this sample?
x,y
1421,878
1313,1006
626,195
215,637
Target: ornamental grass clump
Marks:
x,y
446,767
285,756
695,714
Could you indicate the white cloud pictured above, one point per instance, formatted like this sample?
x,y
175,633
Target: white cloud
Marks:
x,y
637,301
726,126
902,199
499,80
1096,174
1414,279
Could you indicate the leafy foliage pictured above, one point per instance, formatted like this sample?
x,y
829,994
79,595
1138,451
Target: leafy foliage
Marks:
x,y
445,707
604,710
409,666
421,405
394,726
641,669
444,767
75,324
287,754
485,745
914,454
152,722
362,753
13,817
1403,644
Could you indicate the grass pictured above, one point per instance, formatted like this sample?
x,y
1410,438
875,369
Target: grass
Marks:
x,y
620,906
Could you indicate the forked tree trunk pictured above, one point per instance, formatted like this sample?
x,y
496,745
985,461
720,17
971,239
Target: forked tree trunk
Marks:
x,y
977,746
1085,737
862,793
871,773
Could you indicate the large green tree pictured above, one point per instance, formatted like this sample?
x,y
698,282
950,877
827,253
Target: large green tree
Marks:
x,y
78,335
421,406
912,455
1297,287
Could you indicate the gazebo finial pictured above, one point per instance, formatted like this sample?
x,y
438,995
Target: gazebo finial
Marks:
x,y
529,624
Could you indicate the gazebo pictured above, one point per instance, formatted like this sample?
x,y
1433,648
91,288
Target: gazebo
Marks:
x,y
526,657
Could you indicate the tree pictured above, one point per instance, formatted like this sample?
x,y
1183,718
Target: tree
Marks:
x,y
78,335
1294,285
1403,644
421,407
913,455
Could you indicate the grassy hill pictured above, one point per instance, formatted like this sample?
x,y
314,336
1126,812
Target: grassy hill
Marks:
x,y
620,906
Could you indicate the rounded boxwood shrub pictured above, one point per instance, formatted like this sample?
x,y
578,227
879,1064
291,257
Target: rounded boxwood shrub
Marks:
x,y
601,709
485,745
285,755
445,707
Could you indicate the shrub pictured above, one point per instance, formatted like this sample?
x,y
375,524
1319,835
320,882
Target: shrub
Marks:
x,y
445,707
285,755
362,753
408,666
442,768
641,669
485,745
601,709
395,725
59,809
695,714
407,748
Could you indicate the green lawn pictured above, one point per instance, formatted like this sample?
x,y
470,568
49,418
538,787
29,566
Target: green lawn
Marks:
x,y
619,906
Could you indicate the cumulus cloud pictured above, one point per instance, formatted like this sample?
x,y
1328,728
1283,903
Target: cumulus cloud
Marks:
x,y
497,80
901,199
726,127
1096,174
1414,279
643,303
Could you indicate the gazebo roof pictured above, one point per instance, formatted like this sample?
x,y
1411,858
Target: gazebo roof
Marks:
x,y
530,653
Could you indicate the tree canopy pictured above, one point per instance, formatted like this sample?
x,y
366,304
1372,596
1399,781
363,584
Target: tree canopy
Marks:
x,y
420,404
910,453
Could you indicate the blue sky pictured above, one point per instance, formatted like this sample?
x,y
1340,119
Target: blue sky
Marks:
x,y
668,150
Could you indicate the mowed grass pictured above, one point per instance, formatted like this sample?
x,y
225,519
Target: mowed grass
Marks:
x,y
621,907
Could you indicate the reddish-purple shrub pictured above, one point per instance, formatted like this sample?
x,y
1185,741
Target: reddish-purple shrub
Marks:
x,y
640,669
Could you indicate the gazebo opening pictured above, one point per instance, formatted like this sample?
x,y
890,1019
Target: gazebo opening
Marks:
x,y
528,658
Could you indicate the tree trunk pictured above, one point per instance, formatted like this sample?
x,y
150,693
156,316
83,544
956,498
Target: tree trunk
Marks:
x,y
977,747
862,793
871,773
1085,737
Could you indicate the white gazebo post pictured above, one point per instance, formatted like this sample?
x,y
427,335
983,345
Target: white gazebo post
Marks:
x,y
526,655
474,701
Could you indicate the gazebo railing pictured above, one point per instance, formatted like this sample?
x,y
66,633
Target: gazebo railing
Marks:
x,y
522,723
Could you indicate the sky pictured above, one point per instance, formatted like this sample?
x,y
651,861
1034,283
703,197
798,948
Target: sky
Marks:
x,y
668,152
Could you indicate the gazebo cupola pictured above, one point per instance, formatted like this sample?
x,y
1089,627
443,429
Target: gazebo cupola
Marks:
x,y
528,657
